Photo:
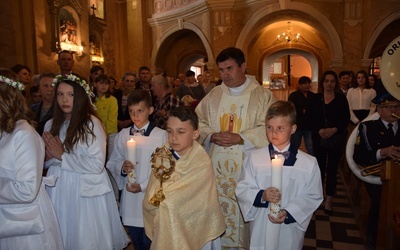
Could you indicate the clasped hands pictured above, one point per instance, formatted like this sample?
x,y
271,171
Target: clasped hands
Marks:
x,y
54,147
225,139
272,194
128,167
325,133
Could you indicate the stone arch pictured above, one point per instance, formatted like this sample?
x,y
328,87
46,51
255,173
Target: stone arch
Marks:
x,y
377,32
176,28
332,37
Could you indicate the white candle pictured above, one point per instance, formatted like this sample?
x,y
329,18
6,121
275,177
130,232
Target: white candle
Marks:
x,y
276,182
131,151
131,156
276,175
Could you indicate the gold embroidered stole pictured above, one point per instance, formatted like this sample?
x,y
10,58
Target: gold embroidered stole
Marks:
x,y
227,163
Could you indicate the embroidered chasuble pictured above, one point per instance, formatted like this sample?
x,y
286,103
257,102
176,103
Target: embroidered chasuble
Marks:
x,y
220,111
190,216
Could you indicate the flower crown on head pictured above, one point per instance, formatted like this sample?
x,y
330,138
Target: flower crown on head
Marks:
x,y
74,78
12,83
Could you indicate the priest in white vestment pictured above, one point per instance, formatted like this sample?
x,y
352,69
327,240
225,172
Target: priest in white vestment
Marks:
x,y
231,119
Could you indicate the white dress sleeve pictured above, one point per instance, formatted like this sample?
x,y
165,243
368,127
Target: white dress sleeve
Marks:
x,y
22,163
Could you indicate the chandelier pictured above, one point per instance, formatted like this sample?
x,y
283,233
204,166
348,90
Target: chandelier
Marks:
x,y
287,36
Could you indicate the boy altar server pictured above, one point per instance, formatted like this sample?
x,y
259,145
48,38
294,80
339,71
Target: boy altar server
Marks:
x,y
187,216
301,189
147,137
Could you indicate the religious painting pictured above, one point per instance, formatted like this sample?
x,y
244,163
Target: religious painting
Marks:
x,y
277,83
68,27
97,8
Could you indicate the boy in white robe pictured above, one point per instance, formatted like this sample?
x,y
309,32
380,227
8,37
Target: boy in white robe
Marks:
x,y
148,137
301,189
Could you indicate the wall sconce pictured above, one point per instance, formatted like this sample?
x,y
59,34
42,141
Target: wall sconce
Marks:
x,y
75,48
98,59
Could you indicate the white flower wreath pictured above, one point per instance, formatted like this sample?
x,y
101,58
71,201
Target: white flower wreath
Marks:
x,y
74,78
12,83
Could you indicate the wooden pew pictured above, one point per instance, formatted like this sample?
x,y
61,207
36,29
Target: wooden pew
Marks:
x,y
389,229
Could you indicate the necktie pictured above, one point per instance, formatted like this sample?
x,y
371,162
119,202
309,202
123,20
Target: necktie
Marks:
x,y
390,129
285,154
137,131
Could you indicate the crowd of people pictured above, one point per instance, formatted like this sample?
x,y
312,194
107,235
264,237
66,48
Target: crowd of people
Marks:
x,y
205,154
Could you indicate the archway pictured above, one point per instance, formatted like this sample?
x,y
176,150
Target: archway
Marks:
x,y
180,47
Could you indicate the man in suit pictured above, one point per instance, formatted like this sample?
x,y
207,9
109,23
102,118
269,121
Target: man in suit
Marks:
x,y
378,140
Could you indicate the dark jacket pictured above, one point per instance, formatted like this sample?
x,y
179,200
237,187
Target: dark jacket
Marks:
x,y
36,108
372,135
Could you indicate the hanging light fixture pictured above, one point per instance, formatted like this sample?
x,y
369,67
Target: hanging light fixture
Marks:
x,y
287,36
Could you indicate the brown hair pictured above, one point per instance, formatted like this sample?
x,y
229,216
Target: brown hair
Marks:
x,y
186,114
12,105
81,125
282,108
322,79
105,79
139,95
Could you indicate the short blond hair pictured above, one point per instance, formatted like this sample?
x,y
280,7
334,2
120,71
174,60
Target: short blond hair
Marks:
x,y
282,108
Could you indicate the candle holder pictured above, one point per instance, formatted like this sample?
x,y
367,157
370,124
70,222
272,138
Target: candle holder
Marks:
x,y
274,209
132,177
163,165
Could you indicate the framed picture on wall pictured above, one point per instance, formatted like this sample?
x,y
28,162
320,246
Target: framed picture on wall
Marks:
x,y
277,83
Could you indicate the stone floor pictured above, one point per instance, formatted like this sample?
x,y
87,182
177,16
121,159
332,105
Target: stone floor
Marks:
x,y
338,231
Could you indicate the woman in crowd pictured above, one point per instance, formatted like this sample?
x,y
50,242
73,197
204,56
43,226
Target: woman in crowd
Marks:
x,y
107,109
23,75
113,84
95,71
75,152
27,217
330,114
121,94
360,98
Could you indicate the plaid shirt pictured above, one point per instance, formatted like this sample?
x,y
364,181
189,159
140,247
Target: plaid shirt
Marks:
x,y
168,103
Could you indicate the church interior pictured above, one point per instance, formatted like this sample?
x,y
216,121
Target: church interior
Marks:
x,y
282,41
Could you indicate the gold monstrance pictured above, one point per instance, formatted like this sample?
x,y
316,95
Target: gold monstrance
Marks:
x,y
163,165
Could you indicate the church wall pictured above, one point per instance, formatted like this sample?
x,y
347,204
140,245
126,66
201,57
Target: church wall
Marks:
x,y
134,29
17,45
139,40
115,39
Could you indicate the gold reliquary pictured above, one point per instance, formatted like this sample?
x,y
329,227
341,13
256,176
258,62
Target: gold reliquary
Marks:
x,y
163,165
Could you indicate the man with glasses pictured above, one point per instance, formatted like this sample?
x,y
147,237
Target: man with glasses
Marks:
x,y
378,140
